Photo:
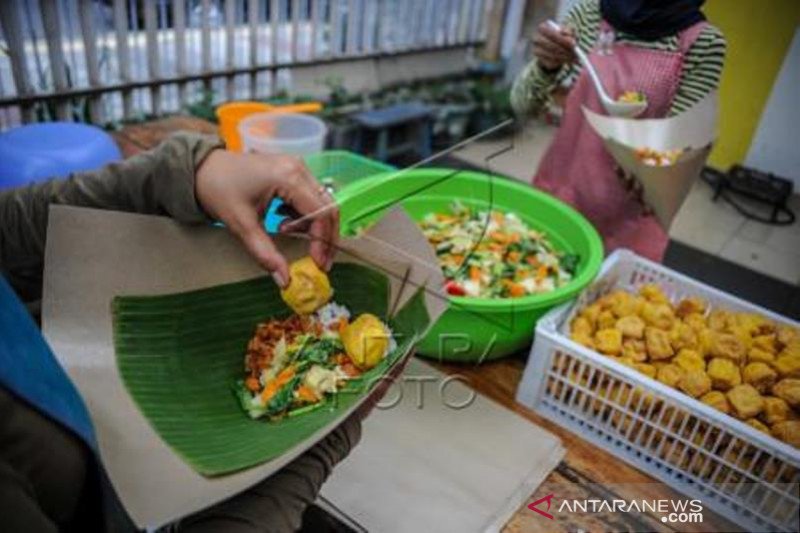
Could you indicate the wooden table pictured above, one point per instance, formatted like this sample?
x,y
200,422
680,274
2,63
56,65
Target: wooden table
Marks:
x,y
587,472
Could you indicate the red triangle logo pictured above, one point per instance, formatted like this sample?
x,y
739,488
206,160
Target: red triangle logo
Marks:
x,y
547,499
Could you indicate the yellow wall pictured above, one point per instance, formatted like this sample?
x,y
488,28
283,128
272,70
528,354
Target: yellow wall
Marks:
x,y
758,33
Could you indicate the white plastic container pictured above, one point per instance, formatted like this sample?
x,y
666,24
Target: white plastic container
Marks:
x,y
282,133
743,474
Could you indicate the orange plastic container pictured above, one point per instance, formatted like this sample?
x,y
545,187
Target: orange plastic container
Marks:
x,y
230,114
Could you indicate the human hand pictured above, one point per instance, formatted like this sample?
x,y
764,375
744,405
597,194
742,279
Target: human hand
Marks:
x,y
236,189
553,47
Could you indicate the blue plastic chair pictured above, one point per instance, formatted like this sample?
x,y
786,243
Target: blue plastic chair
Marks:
x,y
36,152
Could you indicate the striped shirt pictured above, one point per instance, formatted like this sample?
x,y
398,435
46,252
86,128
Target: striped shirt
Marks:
x,y
701,72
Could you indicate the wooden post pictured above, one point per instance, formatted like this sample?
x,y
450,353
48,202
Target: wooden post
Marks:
x,y
179,26
253,8
494,36
153,60
12,28
55,52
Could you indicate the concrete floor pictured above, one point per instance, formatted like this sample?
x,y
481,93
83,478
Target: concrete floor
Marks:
x,y
712,227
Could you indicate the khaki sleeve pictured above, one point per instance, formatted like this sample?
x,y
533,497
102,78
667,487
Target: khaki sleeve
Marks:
x,y
277,504
160,181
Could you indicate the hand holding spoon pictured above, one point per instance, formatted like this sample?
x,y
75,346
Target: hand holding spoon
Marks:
x,y
613,107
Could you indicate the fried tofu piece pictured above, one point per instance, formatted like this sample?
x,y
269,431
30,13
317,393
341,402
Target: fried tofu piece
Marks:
x,y
626,304
658,345
584,340
788,366
776,410
728,346
682,336
718,319
606,320
689,360
695,383
757,355
758,424
590,313
647,370
634,349
607,301
717,400
745,401
760,376
653,293
743,334
786,334
581,325
705,341
749,322
670,374
691,305
695,321
724,374
608,341
788,431
631,326
788,389
765,342
658,315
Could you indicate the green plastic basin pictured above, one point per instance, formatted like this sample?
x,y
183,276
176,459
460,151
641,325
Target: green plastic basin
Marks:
x,y
480,329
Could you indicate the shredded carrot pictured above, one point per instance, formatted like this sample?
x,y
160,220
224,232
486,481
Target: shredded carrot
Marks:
x,y
474,273
306,394
541,272
498,237
252,384
532,260
350,369
270,390
516,290
342,325
513,257
285,376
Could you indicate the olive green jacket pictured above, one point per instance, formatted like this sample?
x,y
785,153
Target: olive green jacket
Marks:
x,y
161,182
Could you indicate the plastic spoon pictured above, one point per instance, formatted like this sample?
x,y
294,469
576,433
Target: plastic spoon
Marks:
x,y
613,107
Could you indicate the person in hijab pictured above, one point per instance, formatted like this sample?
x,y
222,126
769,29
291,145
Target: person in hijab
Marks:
x,y
664,49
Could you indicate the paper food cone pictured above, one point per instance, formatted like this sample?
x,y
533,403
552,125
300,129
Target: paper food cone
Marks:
x,y
93,256
665,187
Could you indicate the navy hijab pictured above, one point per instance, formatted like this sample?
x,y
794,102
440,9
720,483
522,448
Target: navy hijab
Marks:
x,y
651,19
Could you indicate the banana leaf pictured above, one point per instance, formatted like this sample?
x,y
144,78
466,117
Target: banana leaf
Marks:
x,y
180,354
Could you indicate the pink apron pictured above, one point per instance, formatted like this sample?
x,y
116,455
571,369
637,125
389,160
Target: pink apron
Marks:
x,y
577,168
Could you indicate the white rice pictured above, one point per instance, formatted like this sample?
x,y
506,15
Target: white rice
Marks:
x,y
330,313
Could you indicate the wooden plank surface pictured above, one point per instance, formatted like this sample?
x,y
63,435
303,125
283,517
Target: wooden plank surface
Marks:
x,y
587,471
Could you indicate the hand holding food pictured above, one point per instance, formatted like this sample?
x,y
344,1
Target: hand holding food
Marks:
x,y
294,364
236,189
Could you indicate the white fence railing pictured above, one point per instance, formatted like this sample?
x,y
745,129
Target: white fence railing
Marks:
x,y
108,60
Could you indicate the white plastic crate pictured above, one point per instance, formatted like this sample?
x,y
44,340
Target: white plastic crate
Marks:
x,y
743,474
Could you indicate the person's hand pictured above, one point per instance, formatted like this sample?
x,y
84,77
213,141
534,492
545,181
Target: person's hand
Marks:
x,y
236,189
552,47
